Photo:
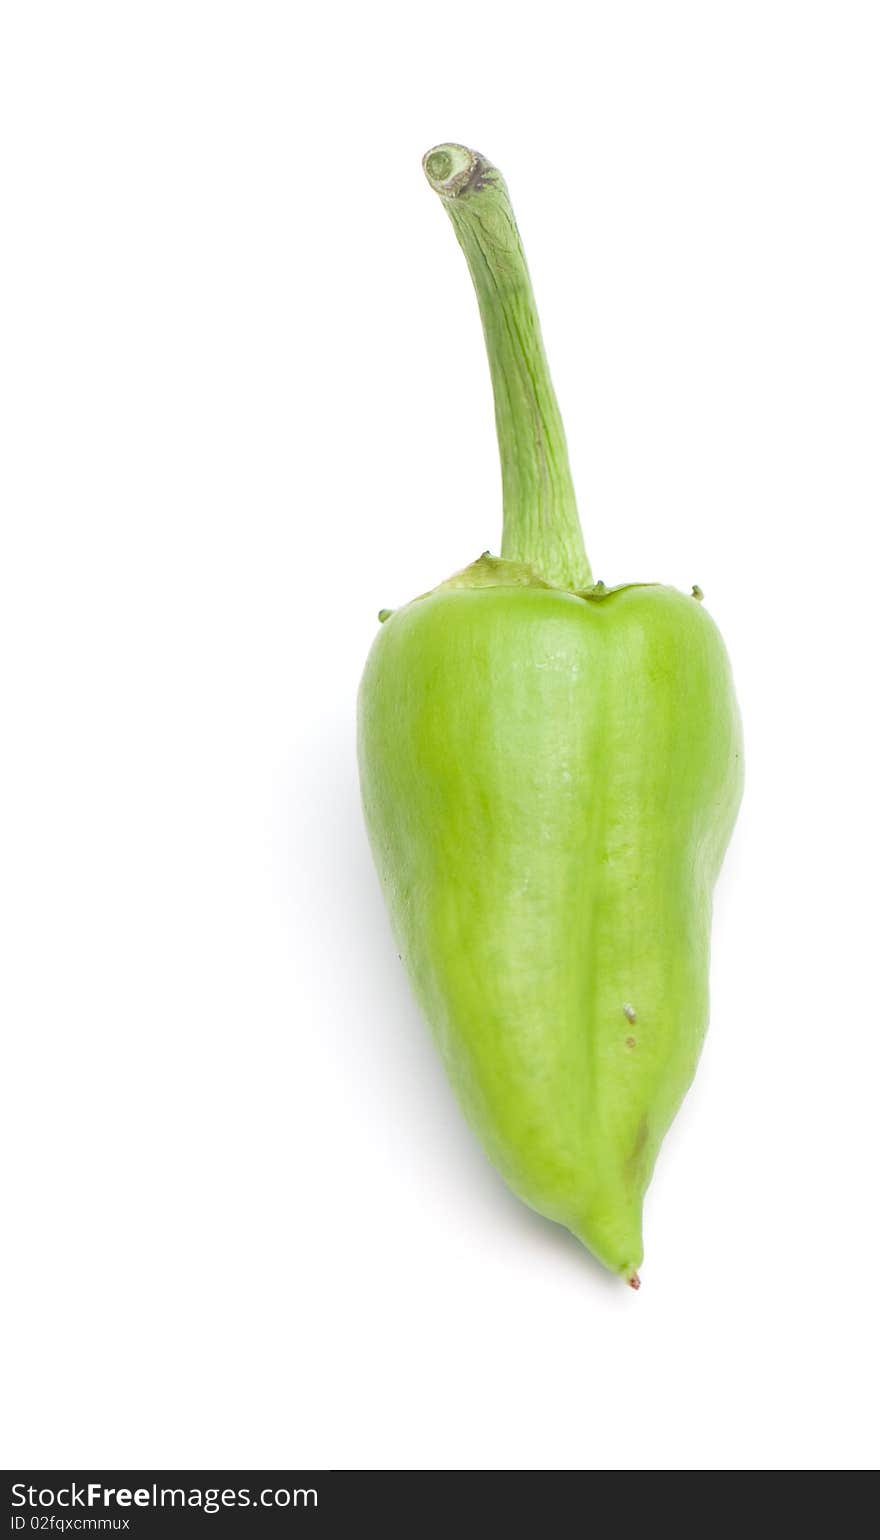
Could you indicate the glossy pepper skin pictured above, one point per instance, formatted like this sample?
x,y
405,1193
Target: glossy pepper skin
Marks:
x,y
551,771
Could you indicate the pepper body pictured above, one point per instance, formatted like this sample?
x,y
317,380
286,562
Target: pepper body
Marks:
x,y
550,772
549,784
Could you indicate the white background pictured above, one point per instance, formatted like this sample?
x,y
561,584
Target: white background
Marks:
x,y
245,405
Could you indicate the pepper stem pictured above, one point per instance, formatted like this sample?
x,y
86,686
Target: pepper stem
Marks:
x,y
541,524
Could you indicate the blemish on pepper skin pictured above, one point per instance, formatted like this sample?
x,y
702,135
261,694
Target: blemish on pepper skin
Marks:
x,y
635,1160
629,1012
630,1042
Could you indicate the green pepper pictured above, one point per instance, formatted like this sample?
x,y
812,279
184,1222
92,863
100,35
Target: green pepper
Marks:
x,y
551,770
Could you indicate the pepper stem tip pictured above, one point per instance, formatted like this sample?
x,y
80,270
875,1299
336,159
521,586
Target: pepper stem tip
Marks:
x,y
451,168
